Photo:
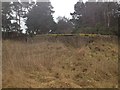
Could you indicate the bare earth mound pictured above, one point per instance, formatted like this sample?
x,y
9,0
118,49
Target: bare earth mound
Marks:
x,y
61,62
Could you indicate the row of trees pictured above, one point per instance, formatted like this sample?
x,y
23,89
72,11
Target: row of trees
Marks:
x,y
89,17
97,17
37,17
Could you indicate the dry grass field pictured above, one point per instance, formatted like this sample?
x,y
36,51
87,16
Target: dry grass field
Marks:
x,y
60,63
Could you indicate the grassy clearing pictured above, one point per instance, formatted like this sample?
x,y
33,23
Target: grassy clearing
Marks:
x,y
81,34
57,64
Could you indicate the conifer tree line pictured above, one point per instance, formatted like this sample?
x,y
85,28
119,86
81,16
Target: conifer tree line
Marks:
x,y
89,17
97,17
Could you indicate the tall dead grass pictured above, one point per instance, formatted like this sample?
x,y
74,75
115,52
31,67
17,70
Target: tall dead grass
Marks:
x,y
53,64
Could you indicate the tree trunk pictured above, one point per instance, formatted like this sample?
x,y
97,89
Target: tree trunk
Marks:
x,y
108,18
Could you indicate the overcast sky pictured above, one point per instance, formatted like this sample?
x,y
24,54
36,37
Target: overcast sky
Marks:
x,y
63,7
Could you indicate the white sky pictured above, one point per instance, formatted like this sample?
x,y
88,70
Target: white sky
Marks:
x,y
63,7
